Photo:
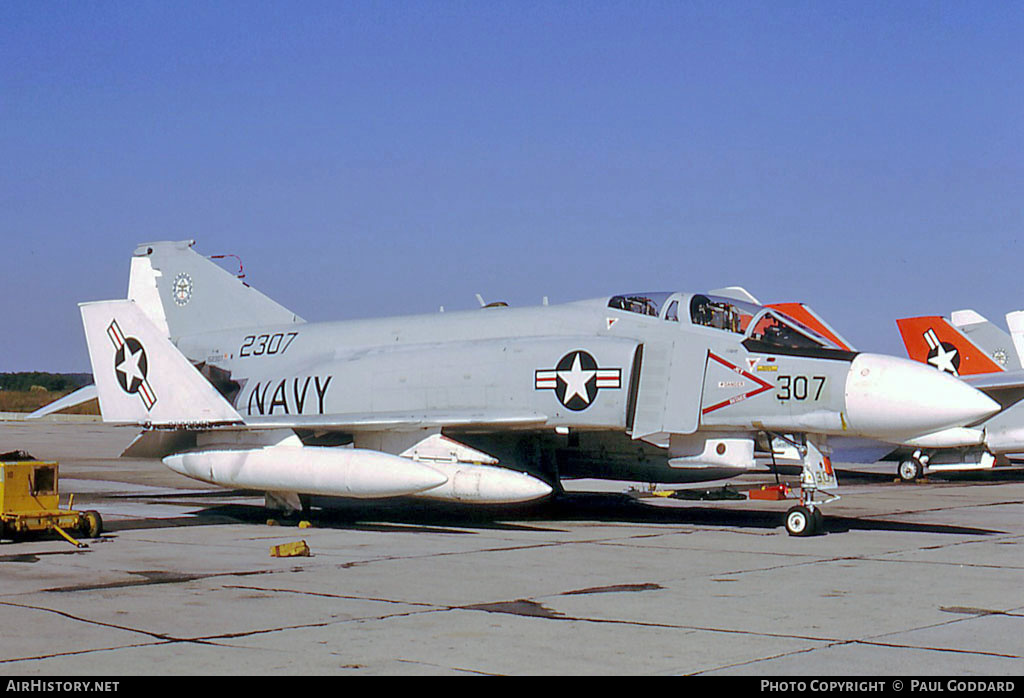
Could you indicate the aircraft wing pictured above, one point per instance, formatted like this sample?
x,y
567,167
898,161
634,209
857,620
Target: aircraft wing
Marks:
x,y
988,382
378,421
157,443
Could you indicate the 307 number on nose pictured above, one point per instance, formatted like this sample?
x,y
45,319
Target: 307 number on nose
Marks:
x,y
799,387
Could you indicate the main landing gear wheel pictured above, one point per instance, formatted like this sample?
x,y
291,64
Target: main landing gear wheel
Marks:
x,y
802,521
910,470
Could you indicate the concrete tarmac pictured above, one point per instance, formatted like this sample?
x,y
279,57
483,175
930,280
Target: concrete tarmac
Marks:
x,y
918,579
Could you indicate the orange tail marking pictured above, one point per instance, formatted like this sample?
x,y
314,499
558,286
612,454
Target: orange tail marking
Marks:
x,y
932,340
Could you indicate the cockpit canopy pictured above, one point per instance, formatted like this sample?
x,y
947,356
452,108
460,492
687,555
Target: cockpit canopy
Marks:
x,y
642,303
763,329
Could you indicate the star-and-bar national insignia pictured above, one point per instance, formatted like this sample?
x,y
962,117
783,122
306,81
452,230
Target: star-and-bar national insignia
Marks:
x,y
131,366
577,379
942,355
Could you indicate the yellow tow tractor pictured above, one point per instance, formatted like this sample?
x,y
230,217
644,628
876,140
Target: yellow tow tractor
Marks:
x,y
29,501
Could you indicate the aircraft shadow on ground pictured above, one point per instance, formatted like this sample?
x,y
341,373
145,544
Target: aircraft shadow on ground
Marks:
x,y
408,515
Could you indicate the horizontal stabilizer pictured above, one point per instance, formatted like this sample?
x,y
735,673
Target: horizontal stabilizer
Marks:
x,y
79,397
141,378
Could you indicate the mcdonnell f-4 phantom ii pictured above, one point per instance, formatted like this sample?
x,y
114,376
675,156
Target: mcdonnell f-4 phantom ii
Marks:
x,y
488,405
981,354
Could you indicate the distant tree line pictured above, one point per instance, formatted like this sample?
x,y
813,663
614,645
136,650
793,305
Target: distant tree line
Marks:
x,y
55,382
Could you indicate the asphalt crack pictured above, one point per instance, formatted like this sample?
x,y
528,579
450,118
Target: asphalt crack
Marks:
x,y
151,577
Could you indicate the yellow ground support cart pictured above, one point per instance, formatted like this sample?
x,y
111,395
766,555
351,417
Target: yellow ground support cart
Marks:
x,y
29,501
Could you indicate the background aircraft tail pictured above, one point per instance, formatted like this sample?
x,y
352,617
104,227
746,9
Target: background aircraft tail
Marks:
x,y
184,293
1015,321
934,340
988,337
141,378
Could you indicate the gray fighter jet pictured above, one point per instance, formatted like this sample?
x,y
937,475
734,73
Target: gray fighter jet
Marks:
x,y
985,357
490,405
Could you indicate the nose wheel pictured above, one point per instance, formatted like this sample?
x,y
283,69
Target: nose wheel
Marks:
x,y
803,520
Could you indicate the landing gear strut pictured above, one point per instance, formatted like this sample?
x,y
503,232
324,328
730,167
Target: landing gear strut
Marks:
x,y
806,519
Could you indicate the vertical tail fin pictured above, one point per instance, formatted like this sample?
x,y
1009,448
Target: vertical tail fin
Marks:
x,y
989,338
1015,322
141,378
184,293
933,340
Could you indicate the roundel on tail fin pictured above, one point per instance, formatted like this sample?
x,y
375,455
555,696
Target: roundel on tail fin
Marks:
x,y
131,365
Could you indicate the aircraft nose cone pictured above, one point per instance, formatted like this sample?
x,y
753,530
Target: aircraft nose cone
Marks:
x,y
895,399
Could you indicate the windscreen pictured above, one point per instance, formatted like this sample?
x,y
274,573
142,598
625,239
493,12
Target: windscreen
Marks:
x,y
761,324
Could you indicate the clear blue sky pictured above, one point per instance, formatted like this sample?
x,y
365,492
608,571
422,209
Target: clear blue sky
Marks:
x,y
377,158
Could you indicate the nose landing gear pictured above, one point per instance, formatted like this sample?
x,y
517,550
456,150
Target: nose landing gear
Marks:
x,y
803,520
806,519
